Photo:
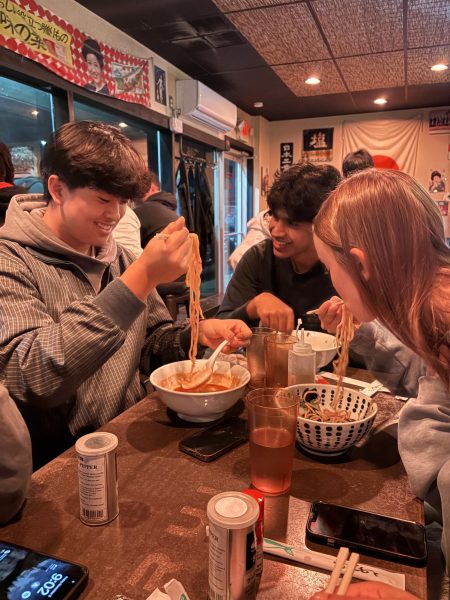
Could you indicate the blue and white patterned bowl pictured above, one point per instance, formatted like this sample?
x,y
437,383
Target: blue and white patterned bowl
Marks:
x,y
332,439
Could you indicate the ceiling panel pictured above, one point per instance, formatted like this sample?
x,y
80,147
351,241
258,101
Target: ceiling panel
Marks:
x,y
294,77
263,50
428,23
420,61
282,34
353,27
373,71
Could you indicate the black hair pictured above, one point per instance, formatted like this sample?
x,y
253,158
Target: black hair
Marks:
x,y
435,174
155,179
301,190
97,156
91,46
356,161
6,165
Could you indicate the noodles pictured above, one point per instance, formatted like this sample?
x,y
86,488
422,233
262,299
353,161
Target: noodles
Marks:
x,y
193,280
313,411
344,335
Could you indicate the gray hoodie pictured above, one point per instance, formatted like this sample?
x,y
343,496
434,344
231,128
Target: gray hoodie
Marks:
x,y
15,458
73,337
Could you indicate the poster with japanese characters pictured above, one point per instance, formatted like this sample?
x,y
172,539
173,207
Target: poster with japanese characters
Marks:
x,y
318,145
286,155
31,30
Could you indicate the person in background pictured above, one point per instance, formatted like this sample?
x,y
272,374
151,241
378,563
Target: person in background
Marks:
x,y
127,232
15,458
156,211
8,188
81,319
94,63
356,161
257,231
280,279
25,169
363,235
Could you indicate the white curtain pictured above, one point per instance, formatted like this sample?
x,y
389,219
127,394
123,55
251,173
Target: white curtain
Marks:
x,y
391,138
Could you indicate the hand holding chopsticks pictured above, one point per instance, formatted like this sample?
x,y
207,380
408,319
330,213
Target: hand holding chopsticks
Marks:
x,y
348,573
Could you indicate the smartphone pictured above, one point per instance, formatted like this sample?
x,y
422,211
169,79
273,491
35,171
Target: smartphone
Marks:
x,y
369,533
210,443
25,573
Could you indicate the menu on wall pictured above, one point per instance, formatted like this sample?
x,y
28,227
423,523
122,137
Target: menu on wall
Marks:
x,y
36,33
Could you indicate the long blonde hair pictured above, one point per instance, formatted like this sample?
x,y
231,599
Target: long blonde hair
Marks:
x,y
389,216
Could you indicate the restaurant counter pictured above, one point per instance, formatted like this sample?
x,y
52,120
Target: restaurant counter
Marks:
x,y
163,493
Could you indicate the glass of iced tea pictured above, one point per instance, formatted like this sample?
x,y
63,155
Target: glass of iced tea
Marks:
x,y
272,419
276,351
255,356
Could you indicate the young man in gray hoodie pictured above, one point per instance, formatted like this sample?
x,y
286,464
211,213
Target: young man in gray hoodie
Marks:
x,y
81,320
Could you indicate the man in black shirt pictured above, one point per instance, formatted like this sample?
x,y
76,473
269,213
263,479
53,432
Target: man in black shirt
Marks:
x,y
280,279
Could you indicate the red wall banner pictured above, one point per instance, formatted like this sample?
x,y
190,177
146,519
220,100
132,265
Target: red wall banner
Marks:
x,y
36,33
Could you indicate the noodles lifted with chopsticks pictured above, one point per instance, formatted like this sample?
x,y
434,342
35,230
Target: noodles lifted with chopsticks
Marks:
x,y
193,281
344,335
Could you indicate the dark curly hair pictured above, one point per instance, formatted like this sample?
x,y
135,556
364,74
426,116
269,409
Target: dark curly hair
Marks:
x,y
6,165
301,190
98,156
91,46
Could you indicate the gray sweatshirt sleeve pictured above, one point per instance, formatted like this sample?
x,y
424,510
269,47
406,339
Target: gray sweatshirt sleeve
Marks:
x,y
424,445
397,367
15,458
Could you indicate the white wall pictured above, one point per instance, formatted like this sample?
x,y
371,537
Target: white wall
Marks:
x,y
433,151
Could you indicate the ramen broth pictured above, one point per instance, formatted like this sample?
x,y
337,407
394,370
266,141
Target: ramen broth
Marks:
x,y
217,383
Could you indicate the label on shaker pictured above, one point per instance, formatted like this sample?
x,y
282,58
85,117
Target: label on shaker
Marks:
x,y
92,479
218,562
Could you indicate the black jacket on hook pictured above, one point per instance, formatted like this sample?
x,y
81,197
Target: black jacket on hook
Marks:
x,y
184,195
204,213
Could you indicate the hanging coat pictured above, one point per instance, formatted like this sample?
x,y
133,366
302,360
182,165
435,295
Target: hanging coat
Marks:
x,y
184,197
205,211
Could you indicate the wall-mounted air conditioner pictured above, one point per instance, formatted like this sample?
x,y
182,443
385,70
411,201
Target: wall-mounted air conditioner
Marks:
x,y
197,101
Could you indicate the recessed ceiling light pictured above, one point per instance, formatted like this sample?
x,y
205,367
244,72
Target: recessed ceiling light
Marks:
x,y
312,81
123,125
258,104
34,113
439,67
380,101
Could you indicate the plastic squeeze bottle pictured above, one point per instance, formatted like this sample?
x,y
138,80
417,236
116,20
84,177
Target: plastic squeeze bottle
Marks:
x,y
301,363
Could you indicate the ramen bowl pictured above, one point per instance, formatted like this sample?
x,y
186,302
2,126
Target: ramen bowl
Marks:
x,y
333,439
201,407
324,345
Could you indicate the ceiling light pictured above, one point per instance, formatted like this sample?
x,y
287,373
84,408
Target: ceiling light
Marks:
x,y
312,81
122,125
35,113
258,104
380,101
43,142
439,67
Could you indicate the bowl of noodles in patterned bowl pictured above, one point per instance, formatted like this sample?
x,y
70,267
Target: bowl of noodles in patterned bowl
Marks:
x,y
331,422
211,400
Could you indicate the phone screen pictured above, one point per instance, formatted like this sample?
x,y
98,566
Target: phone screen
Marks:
x,y
216,440
367,531
26,574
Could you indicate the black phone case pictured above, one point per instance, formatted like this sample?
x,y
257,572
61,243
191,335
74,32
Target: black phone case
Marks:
x,y
196,453
334,542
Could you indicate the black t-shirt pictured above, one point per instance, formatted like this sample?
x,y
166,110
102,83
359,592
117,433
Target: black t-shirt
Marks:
x,y
260,271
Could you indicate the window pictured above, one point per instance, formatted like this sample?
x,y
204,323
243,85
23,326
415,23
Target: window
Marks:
x,y
26,121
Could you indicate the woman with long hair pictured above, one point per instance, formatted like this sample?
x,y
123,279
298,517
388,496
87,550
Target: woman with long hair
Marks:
x,y
381,237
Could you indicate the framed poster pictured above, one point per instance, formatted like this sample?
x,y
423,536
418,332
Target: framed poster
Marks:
x,y
286,155
160,86
439,121
318,145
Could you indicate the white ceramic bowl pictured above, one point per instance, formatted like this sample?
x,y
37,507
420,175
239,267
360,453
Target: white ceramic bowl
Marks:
x,y
323,343
332,439
195,406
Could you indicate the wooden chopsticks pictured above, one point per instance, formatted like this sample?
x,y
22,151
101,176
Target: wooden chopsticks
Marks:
x,y
342,556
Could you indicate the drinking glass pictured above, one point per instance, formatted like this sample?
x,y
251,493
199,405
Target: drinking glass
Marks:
x,y
272,420
276,350
255,356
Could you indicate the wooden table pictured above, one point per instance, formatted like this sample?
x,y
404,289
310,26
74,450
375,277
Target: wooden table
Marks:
x,y
163,493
